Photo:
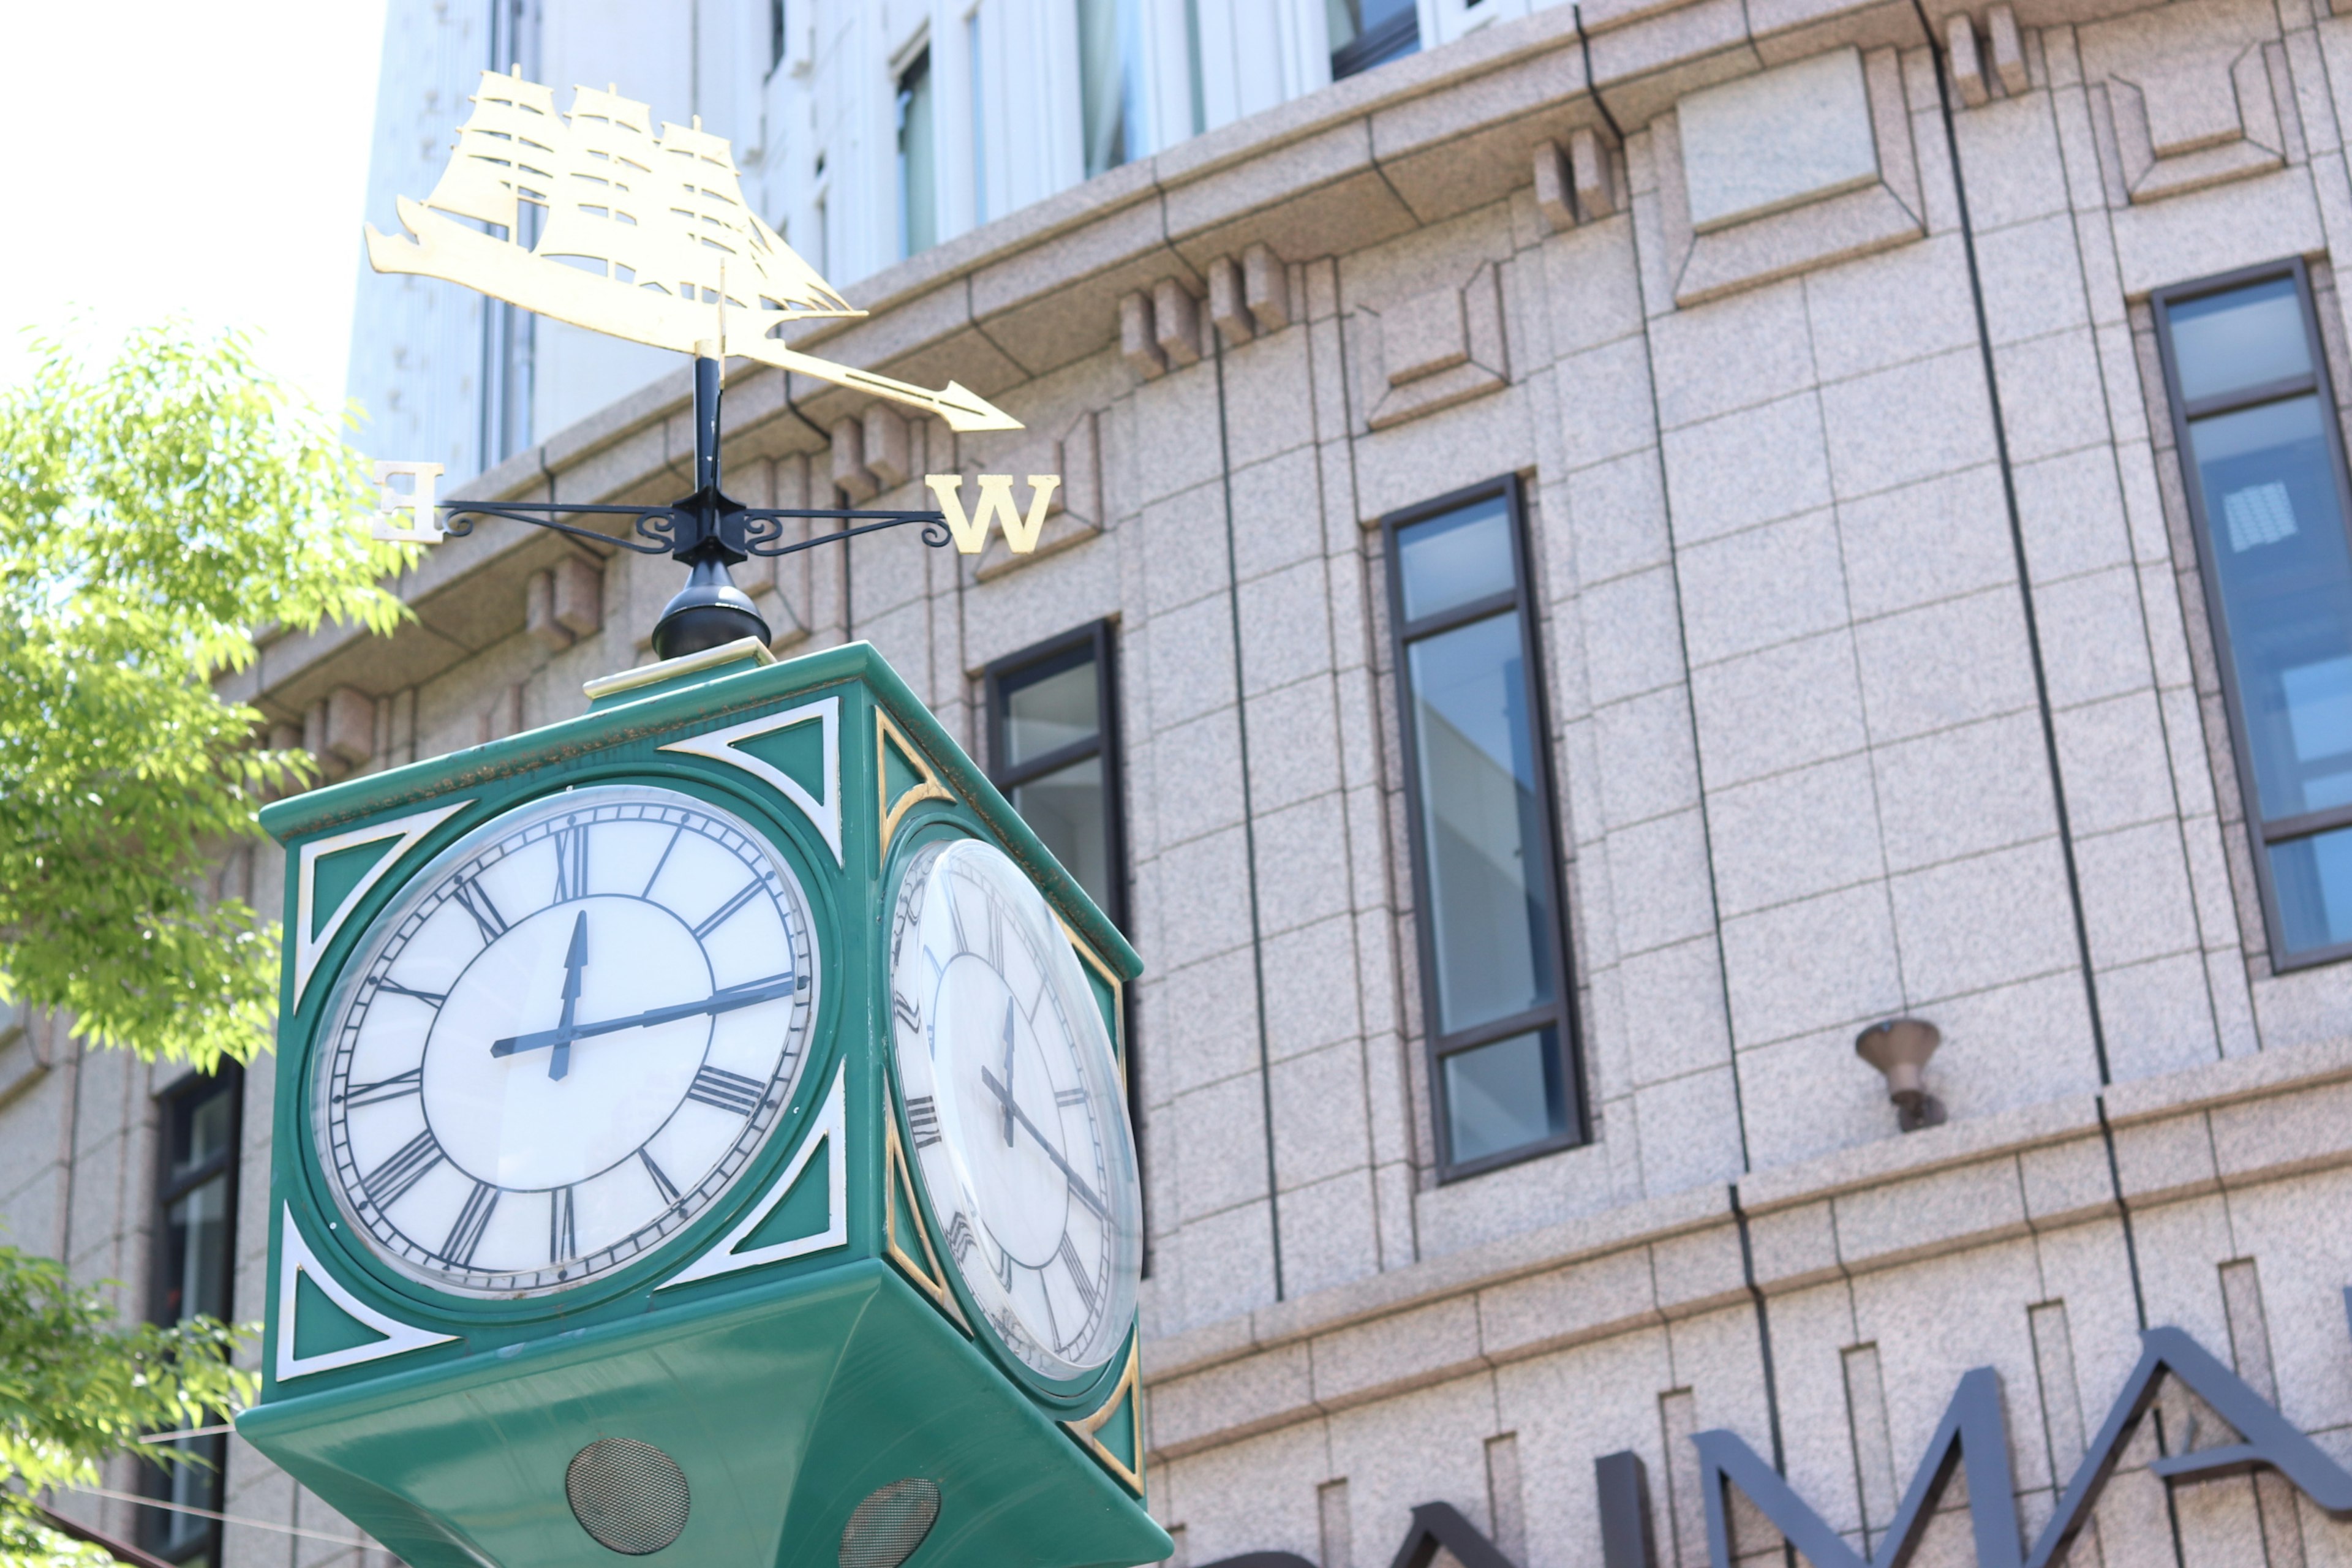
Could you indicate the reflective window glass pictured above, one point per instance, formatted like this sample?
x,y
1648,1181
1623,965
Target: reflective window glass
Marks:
x,y
1489,909
1457,559
2314,878
1066,809
1503,1096
2247,337
2279,553
1046,715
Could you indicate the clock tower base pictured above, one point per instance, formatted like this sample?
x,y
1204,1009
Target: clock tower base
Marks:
x,y
782,1408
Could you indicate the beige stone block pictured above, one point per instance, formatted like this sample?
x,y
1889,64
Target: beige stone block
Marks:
x,y
1555,188
888,451
1793,1247
2008,51
2310,1130
1265,288
1393,1354
850,475
1960,51
1227,311
1225,1404
1592,1300
1699,1271
539,613
1591,174
1175,323
1438,348
1137,340
2066,1184
1933,1214
347,730
2162,1159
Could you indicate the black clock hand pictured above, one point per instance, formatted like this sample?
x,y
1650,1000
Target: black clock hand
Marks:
x,y
559,1061
1008,1072
1084,1194
725,1001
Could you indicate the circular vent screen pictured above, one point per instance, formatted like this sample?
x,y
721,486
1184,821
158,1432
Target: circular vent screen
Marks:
x,y
630,1496
883,1530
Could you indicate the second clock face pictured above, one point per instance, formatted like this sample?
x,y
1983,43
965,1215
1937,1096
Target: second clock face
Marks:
x,y
564,1040
1013,1107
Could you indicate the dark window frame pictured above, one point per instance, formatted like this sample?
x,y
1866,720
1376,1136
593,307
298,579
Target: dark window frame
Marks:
x,y
1559,1013
2262,833
1092,642
228,1081
1378,46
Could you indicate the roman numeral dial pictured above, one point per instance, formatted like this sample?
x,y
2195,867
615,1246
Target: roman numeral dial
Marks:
x,y
1013,1114
565,1038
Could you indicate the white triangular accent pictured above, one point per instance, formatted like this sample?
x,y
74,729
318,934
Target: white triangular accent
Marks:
x,y
831,1128
295,1257
719,745
408,829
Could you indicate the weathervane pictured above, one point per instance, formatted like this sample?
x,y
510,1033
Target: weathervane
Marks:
x,y
649,239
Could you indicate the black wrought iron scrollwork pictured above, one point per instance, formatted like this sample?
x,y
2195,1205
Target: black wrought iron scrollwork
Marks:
x,y
760,530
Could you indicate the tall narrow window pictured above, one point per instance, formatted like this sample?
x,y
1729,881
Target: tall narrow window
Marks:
x,y
2255,423
918,201
1494,975
1368,33
195,1260
1053,749
1110,83
979,120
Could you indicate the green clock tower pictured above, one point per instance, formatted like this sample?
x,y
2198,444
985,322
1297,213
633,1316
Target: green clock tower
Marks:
x,y
699,1130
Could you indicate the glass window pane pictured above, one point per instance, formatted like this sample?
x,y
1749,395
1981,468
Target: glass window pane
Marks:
x,y
918,215
1046,715
1503,1096
2247,337
2314,878
1066,809
1481,824
1110,83
202,1134
2279,553
1457,559
196,1249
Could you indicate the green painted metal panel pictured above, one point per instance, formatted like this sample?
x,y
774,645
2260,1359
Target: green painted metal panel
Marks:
x,y
785,1391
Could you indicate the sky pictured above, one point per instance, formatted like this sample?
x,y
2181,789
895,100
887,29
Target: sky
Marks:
x,y
209,160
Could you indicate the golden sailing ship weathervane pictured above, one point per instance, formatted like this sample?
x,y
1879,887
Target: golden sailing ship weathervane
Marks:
x,y
659,221
649,238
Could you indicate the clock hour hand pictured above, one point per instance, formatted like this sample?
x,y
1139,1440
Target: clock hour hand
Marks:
x,y
1084,1194
559,1061
726,1000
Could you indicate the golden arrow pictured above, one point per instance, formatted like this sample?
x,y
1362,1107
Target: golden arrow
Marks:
x,y
965,410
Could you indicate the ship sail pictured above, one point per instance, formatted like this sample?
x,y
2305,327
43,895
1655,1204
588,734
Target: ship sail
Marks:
x,y
643,235
506,153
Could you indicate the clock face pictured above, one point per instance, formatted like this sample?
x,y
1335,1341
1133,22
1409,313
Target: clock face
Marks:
x,y
1013,1109
564,1040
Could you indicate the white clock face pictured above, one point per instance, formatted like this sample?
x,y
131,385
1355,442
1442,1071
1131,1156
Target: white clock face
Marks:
x,y
564,1040
1013,1109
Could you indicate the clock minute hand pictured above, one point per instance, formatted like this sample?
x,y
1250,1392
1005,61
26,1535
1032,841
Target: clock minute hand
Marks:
x,y
1084,1194
725,1001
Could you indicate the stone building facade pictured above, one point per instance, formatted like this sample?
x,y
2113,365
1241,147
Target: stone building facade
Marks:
x,y
1797,396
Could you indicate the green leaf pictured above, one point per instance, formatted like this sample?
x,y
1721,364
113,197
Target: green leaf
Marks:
x,y
156,512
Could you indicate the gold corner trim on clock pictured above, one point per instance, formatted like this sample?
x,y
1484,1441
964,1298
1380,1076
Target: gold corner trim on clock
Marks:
x,y
886,735
1129,1391
925,1273
1093,961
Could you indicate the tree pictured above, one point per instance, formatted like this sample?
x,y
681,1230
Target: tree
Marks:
x,y
155,510
75,1386
153,513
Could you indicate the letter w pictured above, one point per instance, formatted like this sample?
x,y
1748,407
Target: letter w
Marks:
x,y
995,506
1972,1431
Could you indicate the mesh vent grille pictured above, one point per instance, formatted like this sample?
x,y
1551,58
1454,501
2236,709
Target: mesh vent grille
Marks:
x,y
631,1496
883,1530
